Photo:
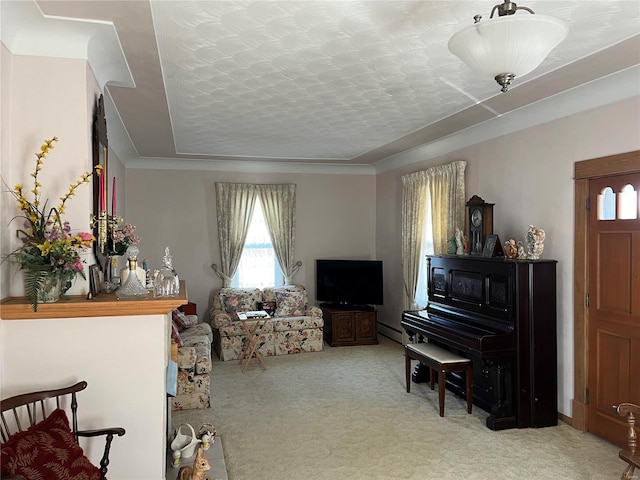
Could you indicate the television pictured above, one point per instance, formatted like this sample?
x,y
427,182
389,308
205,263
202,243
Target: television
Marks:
x,y
353,283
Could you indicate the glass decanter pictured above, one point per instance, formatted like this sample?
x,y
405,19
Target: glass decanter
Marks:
x,y
166,282
133,287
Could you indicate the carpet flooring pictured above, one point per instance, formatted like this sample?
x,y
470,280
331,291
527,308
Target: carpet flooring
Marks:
x,y
343,414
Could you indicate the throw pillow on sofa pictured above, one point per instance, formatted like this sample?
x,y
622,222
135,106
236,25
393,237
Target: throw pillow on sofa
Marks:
x,y
47,450
183,321
236,300
290,303
175,335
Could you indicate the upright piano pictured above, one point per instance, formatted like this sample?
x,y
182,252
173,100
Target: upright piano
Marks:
x,y
501,314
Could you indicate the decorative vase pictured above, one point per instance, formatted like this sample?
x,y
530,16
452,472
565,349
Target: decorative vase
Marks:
x,y
535,242
49,289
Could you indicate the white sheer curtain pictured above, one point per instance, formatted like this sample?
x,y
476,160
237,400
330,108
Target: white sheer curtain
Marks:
x,y
437,193
279,208
414,205
234,207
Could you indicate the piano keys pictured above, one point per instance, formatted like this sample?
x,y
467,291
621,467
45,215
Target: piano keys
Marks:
x,y
501,314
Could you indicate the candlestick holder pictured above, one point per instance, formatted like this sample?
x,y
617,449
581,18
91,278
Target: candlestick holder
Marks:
x,y
101,224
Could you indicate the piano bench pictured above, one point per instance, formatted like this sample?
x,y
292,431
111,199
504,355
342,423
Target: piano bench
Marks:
x,y
444,362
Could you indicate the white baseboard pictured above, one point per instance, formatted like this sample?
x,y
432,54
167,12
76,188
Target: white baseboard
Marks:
x,y
391,333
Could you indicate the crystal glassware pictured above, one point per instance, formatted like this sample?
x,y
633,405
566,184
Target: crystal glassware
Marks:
x,y
166,282
133,287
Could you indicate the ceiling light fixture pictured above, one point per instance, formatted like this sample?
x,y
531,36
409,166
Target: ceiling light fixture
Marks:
x,y
508,46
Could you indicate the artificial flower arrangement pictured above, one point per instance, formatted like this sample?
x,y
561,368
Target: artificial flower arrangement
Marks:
x,y
49,254
121,235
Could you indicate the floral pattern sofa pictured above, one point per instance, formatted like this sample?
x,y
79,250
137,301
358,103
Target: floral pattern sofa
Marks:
x,y
194,361
294,326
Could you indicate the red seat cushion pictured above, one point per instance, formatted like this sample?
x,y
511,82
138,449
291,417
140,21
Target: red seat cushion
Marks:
x,y
47,451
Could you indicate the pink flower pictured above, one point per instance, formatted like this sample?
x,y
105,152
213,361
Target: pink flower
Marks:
x,y
85,237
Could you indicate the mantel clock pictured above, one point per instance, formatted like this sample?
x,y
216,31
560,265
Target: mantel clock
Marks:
x,y
480,217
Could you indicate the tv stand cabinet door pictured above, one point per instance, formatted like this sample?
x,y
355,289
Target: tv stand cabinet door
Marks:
x,y
366,328
349,327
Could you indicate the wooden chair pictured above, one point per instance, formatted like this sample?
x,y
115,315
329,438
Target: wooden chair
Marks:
x,y
25,409
630,456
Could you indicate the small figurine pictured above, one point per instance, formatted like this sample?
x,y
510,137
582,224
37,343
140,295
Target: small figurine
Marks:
x,y
451,246
197,472
176,458
521,253
459,242
511,249
535,242
207,434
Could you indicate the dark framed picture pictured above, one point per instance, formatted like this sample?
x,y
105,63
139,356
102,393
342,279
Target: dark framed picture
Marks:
x,y
492,247
94,279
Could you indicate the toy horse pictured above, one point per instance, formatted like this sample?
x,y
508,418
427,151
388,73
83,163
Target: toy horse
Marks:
x,y
197,472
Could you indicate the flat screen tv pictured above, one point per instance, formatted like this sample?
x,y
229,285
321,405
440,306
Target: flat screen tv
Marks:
x,y
349,282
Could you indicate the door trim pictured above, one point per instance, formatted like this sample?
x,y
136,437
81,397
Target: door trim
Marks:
x,y
584,171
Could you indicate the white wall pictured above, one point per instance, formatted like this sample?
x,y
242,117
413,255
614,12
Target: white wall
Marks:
x,y
529,176
335,218
7,208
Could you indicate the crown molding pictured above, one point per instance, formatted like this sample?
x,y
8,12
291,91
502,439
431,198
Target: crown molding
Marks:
x,y
26,30
247,166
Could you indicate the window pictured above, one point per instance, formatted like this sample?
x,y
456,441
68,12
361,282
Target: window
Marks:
x,y
427,249
621,206
258,266
607,204
628,203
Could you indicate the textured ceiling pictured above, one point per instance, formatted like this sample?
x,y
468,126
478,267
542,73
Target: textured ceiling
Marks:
x,y
328,81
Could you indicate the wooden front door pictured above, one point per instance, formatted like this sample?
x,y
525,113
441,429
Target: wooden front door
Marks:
x,y
614,302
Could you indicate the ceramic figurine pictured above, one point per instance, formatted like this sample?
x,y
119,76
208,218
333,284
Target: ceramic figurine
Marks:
x,y
197,472
511,249
459,242
451,246
521,251
207,434
535,242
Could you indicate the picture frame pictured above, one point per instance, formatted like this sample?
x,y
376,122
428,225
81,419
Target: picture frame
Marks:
x,y
94,279
492,247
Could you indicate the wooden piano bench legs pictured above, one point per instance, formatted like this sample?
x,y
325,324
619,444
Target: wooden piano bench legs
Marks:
x,y
440,360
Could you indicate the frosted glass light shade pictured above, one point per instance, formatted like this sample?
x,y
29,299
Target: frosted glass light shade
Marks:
x,y
513,44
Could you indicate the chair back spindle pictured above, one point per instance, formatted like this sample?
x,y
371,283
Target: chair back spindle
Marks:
x,y
630,410
23,409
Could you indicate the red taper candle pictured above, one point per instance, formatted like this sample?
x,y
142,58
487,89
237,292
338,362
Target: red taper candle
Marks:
x,y
113,198
102,182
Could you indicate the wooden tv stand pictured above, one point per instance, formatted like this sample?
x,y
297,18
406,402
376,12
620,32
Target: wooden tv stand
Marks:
x,y
345,327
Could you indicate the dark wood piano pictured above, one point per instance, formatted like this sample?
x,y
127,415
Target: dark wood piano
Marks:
x,y
501,314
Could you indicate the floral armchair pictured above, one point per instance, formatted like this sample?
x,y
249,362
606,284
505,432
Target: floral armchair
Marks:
x,y
295,326
194,359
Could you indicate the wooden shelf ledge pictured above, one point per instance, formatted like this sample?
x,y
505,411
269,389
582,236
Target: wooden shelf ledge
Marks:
x,y
103,305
